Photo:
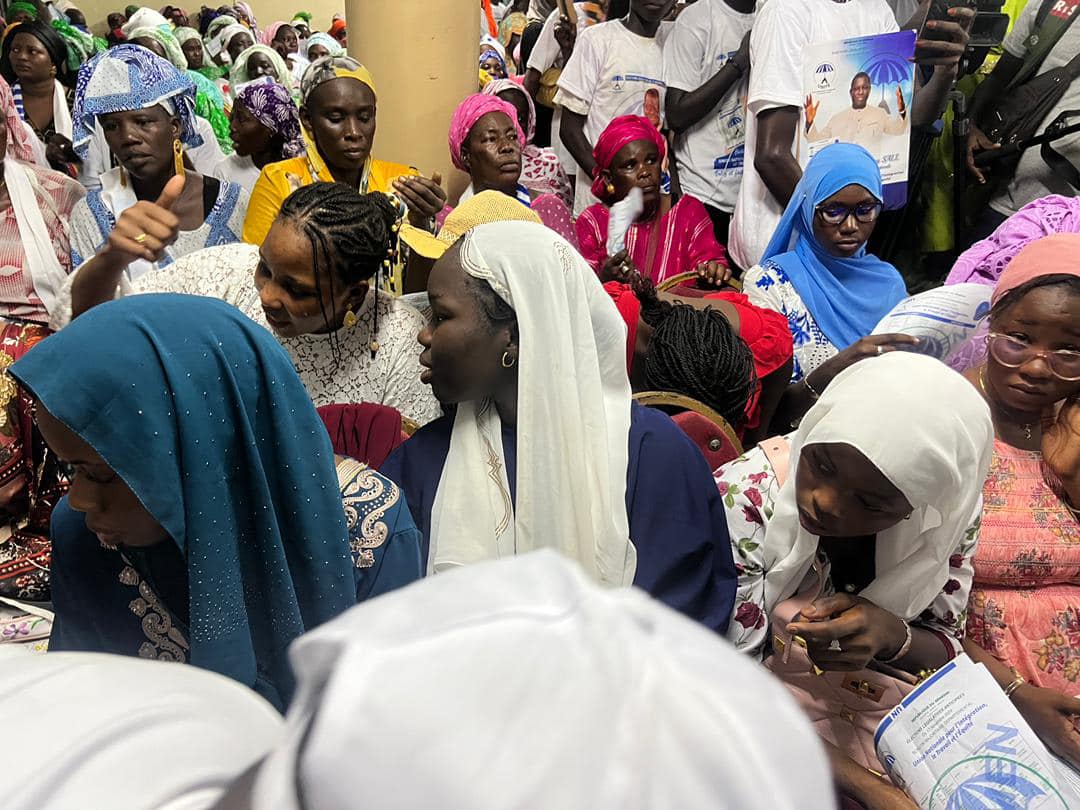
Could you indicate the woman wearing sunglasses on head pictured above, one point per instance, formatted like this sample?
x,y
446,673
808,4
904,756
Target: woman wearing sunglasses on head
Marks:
x,y
816,270
1024,611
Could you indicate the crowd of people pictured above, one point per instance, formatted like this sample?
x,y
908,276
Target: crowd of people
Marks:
x,y
632,382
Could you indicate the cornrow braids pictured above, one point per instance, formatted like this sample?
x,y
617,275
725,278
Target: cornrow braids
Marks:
x,y
352,237
696,352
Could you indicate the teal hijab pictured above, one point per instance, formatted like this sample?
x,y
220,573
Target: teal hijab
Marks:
x,y
201,413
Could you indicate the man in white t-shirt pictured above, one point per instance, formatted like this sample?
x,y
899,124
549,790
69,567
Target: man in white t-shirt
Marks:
x,y
617,68
1033,178
553,48
783,29
706,65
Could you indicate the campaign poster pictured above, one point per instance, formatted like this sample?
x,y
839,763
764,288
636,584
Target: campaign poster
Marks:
x,y
860,91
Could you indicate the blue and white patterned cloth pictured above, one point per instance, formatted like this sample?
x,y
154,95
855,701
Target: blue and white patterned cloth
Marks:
x,y
767,286
129,77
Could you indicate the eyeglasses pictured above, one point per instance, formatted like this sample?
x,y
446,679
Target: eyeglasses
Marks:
x,y
1012,353
835,213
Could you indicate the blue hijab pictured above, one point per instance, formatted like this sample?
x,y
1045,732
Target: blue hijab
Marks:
x,y
201,413
846,297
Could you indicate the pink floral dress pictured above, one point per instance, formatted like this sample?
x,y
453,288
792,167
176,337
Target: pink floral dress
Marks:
x,y
1025,606
749,489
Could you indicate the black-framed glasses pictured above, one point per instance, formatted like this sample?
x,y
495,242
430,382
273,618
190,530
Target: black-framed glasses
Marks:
x,y
1012,352
835,213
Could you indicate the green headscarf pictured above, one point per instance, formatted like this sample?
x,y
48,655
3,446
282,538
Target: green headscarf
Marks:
x,y
80,45
22,5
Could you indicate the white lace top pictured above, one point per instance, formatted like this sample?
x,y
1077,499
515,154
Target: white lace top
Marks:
x,y
391,378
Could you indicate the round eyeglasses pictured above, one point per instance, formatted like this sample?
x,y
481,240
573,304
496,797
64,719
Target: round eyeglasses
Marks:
x,y
835,213
1012,353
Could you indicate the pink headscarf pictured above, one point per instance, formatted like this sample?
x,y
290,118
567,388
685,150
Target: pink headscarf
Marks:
x,y
984,262
621,131
268,34
1049,256
20,143
471,110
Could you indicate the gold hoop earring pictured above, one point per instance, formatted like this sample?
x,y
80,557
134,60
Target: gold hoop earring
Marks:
x,y
52,72
178,157
508,360
350,319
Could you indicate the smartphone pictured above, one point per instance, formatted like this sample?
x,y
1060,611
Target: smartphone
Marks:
x,y
988,30
939,11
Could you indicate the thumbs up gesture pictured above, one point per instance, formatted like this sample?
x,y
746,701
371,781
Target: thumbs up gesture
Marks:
x,y
147,228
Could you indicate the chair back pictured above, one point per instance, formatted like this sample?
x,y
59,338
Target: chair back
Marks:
x,y
366,431
686,285
706,428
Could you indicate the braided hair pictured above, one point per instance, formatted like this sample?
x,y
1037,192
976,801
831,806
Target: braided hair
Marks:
x,y
353,236
696,352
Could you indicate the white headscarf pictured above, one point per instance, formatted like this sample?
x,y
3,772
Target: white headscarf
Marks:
x,y
929,432
521,684
573,418
144,18
110,731
45,271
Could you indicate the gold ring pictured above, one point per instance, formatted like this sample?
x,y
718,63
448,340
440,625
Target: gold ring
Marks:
x,y
141,238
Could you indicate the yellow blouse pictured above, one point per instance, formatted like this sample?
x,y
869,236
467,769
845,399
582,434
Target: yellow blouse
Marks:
x,y
278,180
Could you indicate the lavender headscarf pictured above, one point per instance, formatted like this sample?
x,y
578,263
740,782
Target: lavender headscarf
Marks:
x,y
273,107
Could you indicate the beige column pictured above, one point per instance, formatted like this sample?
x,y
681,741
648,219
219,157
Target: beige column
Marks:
x,y
423,55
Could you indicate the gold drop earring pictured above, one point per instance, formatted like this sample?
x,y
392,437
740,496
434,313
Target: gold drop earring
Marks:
x,y
178,157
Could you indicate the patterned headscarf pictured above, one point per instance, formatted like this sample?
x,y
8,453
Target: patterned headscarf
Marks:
x,y
327,41
468,112
20,144
80,45
239,75
125,78
273,107
319,72
333,67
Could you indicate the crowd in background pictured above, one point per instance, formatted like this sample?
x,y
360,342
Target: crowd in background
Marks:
x,y
253,377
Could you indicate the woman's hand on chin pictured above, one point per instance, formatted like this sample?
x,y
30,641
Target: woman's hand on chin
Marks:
x,y
424,197
146,229
1061,445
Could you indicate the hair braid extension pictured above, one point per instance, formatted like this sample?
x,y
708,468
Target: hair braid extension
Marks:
x,y
351,236
696,352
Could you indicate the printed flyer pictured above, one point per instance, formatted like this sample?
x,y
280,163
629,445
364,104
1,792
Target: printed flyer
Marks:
x,y
860,91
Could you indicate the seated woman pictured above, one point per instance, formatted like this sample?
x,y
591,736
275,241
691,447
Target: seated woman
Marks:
x,y
34,61
337,116
235,39
547,448
880,499
265,129
320,44
541,170
701,347
283,38
196,55
493,62
205,522
816,271
1022,617
145,107
35,258
256,62
486,142
209,101
666,239
311,283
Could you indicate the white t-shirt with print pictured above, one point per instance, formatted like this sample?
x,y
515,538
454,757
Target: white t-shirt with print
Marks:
x,y
1034,178
782,31
710,153
547,54
612,72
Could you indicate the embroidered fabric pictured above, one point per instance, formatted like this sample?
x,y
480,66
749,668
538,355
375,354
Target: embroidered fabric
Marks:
x,y
367,497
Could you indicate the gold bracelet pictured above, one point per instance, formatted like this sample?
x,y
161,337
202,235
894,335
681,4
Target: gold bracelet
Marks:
x,y
1012,687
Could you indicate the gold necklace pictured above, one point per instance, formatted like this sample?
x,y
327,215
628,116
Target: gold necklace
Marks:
x,y
1026,427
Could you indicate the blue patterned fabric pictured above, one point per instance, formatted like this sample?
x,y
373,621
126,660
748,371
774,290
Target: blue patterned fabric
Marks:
x,y
200,411
129,77
847,297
